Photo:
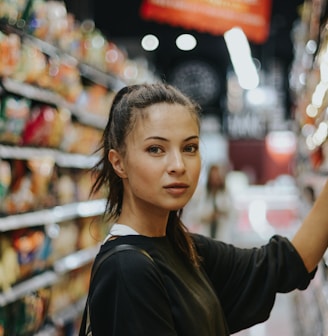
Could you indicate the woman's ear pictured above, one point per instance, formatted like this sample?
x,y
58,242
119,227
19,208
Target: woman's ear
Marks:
x,y
117,163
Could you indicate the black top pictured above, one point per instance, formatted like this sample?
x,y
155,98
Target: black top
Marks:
x,y
233,289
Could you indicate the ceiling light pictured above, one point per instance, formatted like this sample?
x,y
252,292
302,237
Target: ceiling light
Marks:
x,y
186,42
241,59
150,42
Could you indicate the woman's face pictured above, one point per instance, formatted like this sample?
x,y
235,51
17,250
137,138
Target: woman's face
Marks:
x,y
162,160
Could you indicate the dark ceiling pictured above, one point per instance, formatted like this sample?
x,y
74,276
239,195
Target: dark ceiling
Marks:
x,y
122,20
122,24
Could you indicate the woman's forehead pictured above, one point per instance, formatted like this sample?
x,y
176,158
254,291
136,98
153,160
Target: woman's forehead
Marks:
x,y
162,114
165,119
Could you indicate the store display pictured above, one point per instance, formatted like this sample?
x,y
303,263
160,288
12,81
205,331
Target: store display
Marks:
x,y
80,139
29,245
5,178
14,112
58,78
309,83
9,264
10,50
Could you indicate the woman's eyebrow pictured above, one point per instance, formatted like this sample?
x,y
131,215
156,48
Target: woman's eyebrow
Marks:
x,y
155,137
192,137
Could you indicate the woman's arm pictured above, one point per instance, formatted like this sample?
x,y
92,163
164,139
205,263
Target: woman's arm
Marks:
x,y
311,240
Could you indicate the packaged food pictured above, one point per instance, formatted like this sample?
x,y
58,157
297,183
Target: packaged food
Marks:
x,y
10,53
5,178
45,127
14,113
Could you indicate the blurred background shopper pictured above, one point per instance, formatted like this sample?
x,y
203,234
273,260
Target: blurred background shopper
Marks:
x,y
214,205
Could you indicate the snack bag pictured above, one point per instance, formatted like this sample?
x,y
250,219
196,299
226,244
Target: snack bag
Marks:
x,y
14,113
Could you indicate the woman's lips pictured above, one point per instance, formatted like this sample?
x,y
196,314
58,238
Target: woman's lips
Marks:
x,y
176,189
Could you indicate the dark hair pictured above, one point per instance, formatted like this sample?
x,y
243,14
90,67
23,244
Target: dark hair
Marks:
x,y
127,106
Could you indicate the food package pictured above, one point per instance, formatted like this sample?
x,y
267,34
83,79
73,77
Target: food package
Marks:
x,y
66,189
64,239
5,178
10,53
14,113
32,67
9,266
28,314
96,99
81,139
31,186
45,127
47,20
65,79
32,250
19,197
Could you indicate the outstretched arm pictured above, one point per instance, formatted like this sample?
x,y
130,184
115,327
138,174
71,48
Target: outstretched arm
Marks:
x,y
311,240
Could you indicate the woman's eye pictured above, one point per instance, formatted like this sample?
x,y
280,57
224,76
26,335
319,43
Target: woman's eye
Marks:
x,y
155,150
191,148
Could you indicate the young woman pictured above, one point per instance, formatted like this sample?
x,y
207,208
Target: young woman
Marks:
x,y
193,285
214,208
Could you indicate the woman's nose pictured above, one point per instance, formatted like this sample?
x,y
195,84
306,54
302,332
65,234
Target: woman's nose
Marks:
x,y
176,163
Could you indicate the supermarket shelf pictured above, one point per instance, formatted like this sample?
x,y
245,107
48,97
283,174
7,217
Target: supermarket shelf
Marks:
x,y
70,313
62,159
75,260
50,277
51,97
18,291
57,214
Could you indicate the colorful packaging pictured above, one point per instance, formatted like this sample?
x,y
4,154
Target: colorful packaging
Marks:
x,y
45,127
5,178
10,53
14,113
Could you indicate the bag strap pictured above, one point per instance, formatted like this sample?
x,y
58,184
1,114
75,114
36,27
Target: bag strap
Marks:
x,y
95,267
118,248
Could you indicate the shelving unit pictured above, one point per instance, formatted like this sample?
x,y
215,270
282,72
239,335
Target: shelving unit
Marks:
x,y
57,214
55,273
308,80
53,98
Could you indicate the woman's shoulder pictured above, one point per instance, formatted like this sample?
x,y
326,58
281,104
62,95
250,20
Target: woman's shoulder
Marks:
x,y
123,265
203,242
123,253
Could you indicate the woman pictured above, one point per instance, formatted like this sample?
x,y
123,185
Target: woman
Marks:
x,y
214,208
195,285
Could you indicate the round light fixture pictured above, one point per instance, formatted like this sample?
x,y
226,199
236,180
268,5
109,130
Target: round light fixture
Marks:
x,y
150,42
186,42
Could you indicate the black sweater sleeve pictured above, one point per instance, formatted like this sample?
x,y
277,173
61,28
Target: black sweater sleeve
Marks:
x,y
246,280
133,302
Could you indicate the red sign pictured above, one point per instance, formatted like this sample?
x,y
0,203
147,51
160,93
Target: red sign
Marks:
x,y
213,16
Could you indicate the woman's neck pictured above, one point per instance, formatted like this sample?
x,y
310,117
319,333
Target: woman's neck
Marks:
x,y
150,226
